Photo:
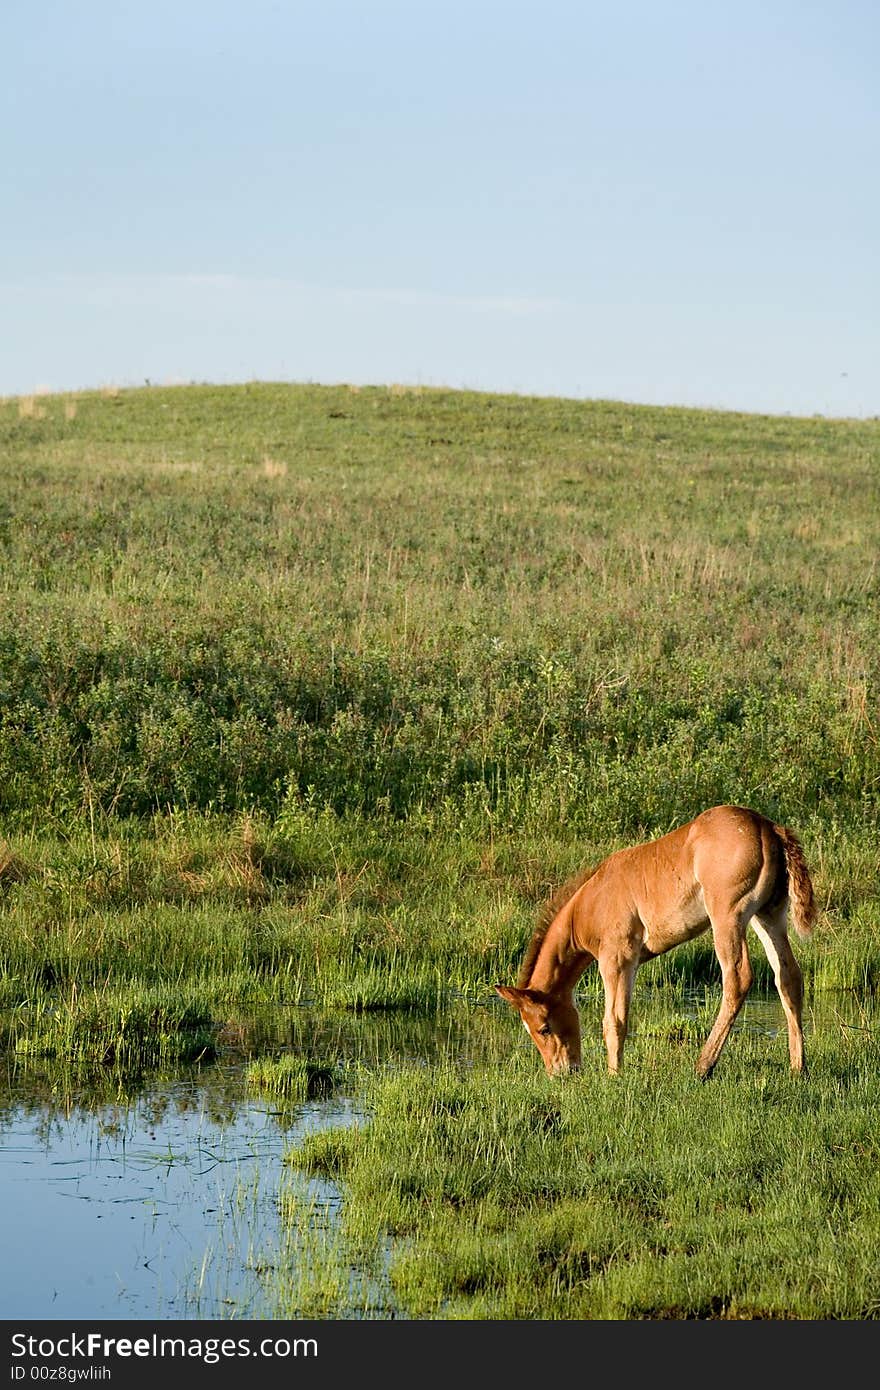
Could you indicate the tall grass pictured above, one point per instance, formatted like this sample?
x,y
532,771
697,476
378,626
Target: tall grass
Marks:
x,y
588,612
313,694
498,1194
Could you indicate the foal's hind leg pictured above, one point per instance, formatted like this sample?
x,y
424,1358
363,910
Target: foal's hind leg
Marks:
x,y
772,934
729,935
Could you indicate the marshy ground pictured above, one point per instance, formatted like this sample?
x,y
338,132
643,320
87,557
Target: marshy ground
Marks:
x,y
310,696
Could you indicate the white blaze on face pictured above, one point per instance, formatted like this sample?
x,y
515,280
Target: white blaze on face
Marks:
x,y
525,1025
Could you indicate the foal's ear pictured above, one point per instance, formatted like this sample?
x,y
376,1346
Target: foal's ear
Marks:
x,y
513,996
520,997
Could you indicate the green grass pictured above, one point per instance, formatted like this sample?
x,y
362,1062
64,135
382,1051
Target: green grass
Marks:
x,y
275,597
497,1194
118,1028
291,1078
313,695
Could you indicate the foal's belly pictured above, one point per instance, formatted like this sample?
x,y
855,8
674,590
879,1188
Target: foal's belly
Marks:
x,y
686,920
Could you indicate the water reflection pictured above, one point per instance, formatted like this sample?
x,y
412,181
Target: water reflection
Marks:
x,y
157,1197
148,1208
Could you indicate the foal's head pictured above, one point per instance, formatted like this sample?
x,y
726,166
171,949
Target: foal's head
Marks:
x,y
553,1024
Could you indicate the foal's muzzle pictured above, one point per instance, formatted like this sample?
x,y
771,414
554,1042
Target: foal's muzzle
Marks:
x,y
565,1068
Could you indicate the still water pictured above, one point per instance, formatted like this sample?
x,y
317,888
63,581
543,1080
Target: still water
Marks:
x,y
154,1208
160,1200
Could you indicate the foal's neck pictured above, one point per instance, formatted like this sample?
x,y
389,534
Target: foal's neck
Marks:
x,y
559,963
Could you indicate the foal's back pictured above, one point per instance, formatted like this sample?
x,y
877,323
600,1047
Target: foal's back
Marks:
x,y
668,890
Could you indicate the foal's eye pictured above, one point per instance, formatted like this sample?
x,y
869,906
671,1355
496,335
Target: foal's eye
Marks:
x,y
545,1031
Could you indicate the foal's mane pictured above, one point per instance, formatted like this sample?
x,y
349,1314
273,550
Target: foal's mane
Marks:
x,y
547,914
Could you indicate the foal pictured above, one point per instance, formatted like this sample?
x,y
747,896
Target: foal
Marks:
x,y
726,869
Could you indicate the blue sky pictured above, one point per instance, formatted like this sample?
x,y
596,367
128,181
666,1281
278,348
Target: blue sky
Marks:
x,y
672,203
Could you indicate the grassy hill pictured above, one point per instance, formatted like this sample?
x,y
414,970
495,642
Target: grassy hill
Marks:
x,y
390,597
525,630
312,695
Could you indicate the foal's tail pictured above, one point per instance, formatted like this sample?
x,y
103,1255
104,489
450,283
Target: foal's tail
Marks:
x,y
800,885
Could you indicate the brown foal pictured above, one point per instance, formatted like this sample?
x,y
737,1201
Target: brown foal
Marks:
x,y
727,869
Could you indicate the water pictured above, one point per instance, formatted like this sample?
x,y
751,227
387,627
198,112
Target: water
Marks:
x,y
160,1200
155,1208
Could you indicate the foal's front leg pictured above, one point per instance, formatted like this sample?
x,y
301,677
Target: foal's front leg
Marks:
x,y
618,975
